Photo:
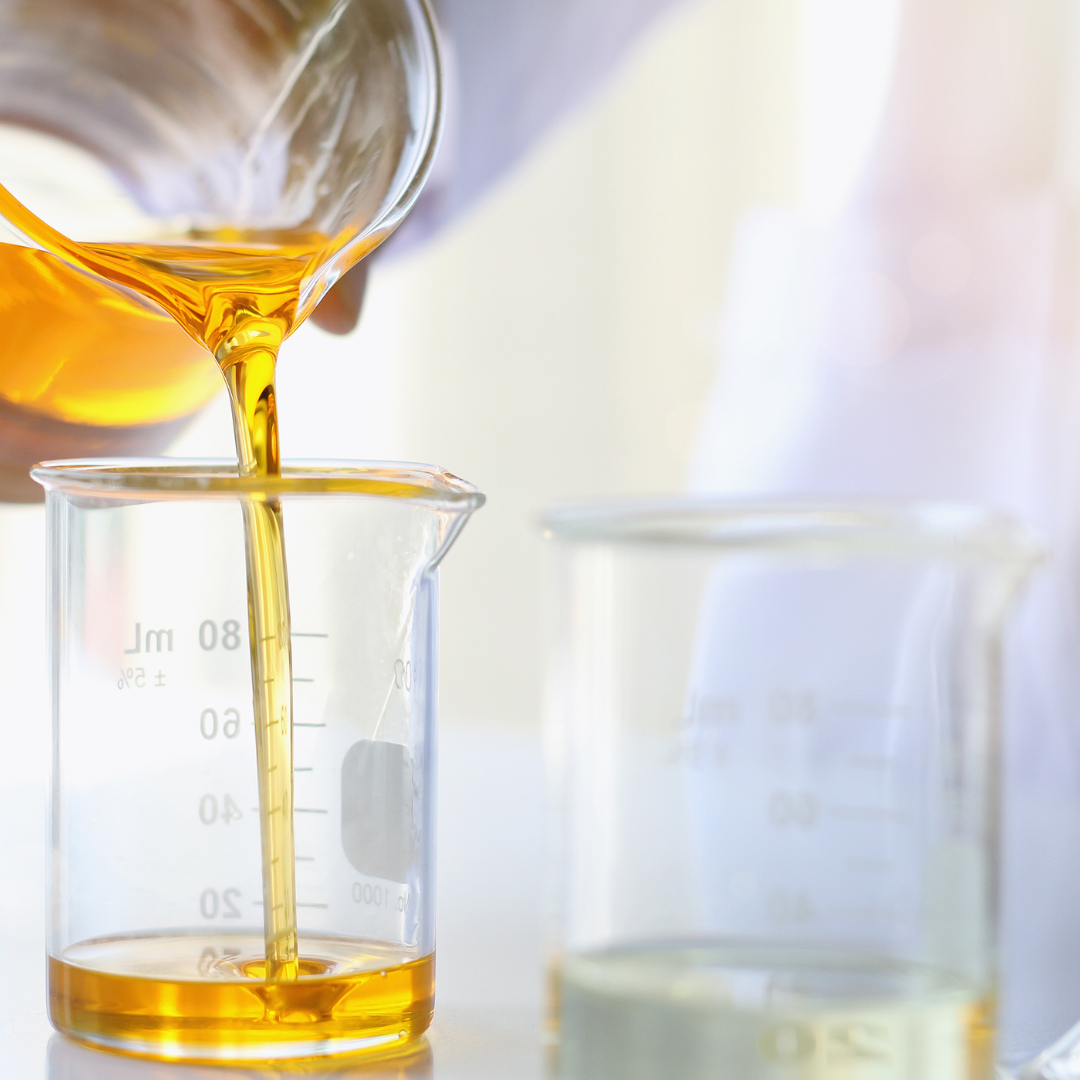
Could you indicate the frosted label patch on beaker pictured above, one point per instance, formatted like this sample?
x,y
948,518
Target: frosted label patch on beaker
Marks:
x,y
377,830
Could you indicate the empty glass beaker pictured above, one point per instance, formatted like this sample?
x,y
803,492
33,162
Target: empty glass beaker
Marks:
x,y
776,756
156,941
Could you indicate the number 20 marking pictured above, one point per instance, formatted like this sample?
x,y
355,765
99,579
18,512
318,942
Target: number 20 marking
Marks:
x,y
211,904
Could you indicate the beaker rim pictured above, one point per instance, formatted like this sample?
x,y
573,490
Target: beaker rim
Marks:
x,y
826,526
165,479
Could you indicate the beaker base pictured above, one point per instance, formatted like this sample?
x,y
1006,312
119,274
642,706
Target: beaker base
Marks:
x,y
198,997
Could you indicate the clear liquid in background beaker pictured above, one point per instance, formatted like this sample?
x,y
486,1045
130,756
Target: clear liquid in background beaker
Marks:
x,y
745,1014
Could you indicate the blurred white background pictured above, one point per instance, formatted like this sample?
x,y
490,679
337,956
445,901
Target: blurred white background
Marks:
x,y
556,343
559,341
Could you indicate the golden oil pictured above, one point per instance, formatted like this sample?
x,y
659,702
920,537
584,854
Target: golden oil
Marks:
x,y
239,296
241,303
78,350
205,997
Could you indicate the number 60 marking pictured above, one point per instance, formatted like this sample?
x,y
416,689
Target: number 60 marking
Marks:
x,y
208,724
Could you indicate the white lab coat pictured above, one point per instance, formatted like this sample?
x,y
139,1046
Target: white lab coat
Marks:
x,y
515,67
926,344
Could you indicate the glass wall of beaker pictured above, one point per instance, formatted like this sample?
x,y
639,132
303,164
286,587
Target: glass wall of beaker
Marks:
x,y
157,934
775,743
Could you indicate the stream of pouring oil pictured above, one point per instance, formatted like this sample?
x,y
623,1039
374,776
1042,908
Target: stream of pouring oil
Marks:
x,y
239,296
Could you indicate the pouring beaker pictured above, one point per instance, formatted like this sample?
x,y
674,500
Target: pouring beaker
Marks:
x,y
156,939
208,122
776,732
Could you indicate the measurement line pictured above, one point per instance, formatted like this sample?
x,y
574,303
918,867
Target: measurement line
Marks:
x,y
305,858
309,725
308,810
313,905
306,768
303,680
296,633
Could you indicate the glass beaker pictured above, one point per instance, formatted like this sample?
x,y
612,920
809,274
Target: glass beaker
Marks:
x,y
776,756
156,939
261,126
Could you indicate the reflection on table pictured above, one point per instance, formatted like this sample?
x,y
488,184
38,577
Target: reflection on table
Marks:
x,y
66,1060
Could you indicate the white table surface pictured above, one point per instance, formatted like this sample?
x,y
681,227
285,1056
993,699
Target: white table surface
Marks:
x,y
487,1024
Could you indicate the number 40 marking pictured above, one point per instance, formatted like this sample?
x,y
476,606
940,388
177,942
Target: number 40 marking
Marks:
x,y
209,811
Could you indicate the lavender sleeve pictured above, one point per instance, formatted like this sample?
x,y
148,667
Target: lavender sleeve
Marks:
x,y
514,69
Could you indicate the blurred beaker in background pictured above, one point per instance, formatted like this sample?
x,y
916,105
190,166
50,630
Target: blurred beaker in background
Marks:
x,y
775,745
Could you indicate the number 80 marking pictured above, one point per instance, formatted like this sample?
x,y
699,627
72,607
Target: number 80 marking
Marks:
x,y
230,635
